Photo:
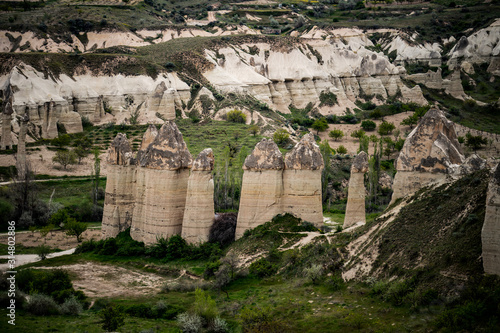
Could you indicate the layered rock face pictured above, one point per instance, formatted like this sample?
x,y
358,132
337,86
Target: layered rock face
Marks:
x,y
490,233
355,209
273,185
302,181
6,119
430,152
162,185
262,186
199,212
21,143
120,186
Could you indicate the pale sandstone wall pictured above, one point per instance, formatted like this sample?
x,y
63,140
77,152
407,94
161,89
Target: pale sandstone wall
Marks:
x,y
261,194
262,186
162,179
355,209
200,211
409,182
490,235
120,195
302,195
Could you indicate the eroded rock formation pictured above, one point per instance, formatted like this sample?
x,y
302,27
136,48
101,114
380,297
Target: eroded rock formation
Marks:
x,y
21,143
428,155
302,181
355,209
490,234
199,212
163,171
6,119
273,185
262,186
120,186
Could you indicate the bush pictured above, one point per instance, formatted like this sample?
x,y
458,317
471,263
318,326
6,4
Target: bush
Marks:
x,y
41,305
223,230
204,305
71,307
314,273
74,228
262,268
190,323
236,116
281,136
386,128
336,134
368,125
342,150
327,98
219,325
261,320
112,318
42,251
335,283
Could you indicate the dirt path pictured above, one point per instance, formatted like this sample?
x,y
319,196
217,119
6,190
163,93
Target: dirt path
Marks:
x,y
23,259
98,281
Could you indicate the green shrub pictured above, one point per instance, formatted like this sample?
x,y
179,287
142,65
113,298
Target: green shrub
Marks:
x,y
261,320
236,116
204,306
335,283
72,307
386,128
112,318
262,268
281,136
342,150
42,305
314,273
190,323
327,98
368,125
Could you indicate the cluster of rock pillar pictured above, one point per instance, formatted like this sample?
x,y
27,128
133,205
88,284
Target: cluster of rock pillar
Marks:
x,y
275,185
490,234
161,191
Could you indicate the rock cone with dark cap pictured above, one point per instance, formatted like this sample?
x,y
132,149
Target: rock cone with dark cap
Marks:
x,y
302,181
119,198
429,153
262,186
199,212
162,178
355,209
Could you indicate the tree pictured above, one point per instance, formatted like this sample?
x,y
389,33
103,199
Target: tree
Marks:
x,y
74,228
254,129
475,141
82,147
336,134
386,128
281,136
65,158
410,121
236,116
320,125
368,125
358,134
342,150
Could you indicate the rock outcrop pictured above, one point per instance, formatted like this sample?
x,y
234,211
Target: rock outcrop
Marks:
x,y
273,185
302,181
199,212
430,152
120,188
7,112
21,143
490,233
355,209
163,172
262,186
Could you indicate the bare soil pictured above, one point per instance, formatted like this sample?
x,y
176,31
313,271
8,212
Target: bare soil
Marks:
x,y
55,239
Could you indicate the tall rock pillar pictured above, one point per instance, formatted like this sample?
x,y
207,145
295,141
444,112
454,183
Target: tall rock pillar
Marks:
x,y
262,186
164,168
120,184
355,210
6,119
428,153
199,211
302,181
490,234
21,142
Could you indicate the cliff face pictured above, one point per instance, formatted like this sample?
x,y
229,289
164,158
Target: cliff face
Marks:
x,y
491,228
428,155
120,185
355,209
199,212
